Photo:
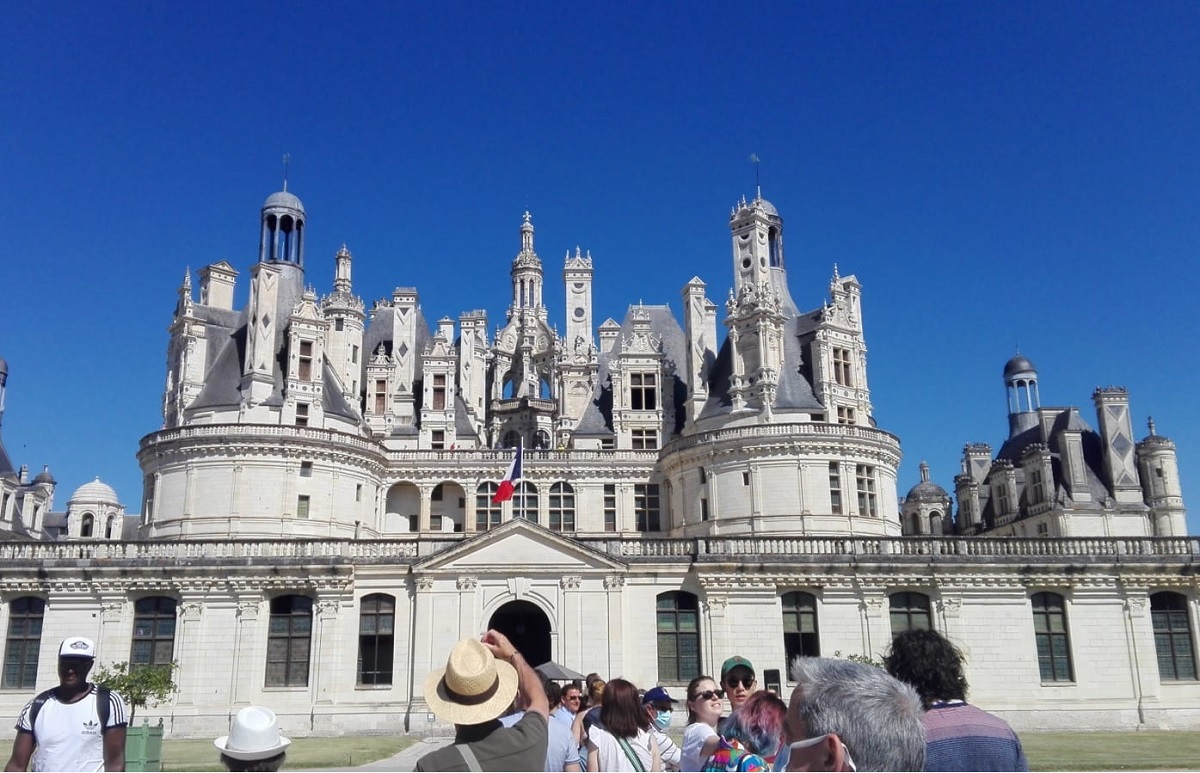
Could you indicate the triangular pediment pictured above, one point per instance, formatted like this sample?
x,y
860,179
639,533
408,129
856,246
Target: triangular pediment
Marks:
x,y
519,544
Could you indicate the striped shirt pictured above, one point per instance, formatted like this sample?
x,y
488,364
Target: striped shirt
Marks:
x,y
959,736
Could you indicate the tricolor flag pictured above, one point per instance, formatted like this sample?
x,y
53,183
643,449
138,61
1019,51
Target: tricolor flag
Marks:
x,y
505,492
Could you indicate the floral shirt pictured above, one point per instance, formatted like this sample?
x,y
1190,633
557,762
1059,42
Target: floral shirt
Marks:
x,y
730,758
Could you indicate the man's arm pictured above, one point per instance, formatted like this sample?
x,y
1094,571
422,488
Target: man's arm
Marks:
x,y
114,748
21,752
529,682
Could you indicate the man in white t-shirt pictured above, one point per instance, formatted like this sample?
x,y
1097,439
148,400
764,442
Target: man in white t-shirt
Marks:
x,y
66,728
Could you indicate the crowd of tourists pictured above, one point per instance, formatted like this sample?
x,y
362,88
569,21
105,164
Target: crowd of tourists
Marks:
x,y
842,715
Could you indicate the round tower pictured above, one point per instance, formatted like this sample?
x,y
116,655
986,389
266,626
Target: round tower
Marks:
x,y
926,508
1021,383
1159,473
527,272
94,512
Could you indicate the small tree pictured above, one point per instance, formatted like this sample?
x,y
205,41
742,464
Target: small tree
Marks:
x,y
139,685
857,658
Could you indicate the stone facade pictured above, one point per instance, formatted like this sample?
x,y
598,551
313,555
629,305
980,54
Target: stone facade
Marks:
x,y
317,525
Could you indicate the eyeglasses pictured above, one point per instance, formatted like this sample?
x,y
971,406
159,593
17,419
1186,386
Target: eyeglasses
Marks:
x,y
810,742
732,681
572,698
708,695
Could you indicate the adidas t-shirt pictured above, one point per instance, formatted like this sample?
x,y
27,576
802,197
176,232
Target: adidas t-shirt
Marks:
x,y
68,735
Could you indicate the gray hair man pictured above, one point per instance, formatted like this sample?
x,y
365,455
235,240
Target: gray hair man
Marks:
x,y
852,716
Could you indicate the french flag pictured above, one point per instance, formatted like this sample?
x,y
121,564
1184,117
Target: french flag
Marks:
x,y
505,492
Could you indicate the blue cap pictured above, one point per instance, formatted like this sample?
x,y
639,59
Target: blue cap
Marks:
x,y
657,695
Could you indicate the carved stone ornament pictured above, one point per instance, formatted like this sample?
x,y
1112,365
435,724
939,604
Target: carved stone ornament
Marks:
x,y
248,610
327,609
189,611
873,606
424,583
111,610
716,604
570,582
614,582
950,606
467,583
1136,605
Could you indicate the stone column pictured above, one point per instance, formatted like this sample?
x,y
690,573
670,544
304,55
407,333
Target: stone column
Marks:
x,y
877,627
245,649
426,493
325,656
614,585
569,619
467,622
189,649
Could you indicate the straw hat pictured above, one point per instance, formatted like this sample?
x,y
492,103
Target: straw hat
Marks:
x,y
473,688
254,735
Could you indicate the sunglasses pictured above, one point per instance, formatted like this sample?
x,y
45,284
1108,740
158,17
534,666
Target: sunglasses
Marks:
x,y
732,681
810,742
572,698
708,695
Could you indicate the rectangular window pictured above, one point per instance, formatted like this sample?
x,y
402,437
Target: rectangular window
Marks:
x,y
678,629
745,479
380,396
301,414
358,492
302,506
845,415
835,488
339,324
306,469
703,476
909,612
288,641
644,439
439,392
646,506
1002,500
841,367
643,392
1050,634
610,507
608,443
703,509
23,643
306,360
1172,637
354,354
800,625
376,639
435,523
153,631
438,439
864,475
1037,487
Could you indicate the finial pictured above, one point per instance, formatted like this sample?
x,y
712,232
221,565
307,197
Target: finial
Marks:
x,y
924,472
836,275
187,278
527,216
1150,424
287,157
754,159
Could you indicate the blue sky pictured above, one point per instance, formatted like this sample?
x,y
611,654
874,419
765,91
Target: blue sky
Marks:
x,y
994,173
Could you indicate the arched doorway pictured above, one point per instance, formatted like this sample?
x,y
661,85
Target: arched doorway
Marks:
x,y
527,627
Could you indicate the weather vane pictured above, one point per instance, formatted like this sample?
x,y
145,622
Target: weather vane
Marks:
x,y
287,157
754,159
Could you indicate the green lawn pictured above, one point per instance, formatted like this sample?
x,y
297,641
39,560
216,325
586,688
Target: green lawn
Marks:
x,y
342,752
1112,751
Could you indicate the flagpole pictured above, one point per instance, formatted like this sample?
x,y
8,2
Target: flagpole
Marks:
x,y
521,456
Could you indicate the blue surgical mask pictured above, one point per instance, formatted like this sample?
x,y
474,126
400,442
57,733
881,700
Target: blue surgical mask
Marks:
x,y
662,719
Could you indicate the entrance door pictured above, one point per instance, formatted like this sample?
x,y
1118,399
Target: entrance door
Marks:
x,y
527,627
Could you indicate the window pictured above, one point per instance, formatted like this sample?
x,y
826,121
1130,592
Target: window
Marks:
x,y
1037,487
23,643
87,525
845,415
644,439
703,476
301,414
678,636
864,475
1172,636
380,395
562,507
109,525
376,638
302,506
745,479
643,394
525,501
435,523
339,324
306,358
703,509
439,392
800,625
1002,500
841,367
1050,633
358,492
487,515
909,612
835,489
645,506
608,443
354,354
438,439
153,631
610,507
306,469
288,641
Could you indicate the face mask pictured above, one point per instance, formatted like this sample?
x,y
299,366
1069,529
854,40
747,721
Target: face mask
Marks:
x,y
662,719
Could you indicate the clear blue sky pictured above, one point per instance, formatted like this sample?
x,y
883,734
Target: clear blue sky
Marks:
x,y
994,174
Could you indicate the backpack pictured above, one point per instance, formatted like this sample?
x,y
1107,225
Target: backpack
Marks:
x,y
103,707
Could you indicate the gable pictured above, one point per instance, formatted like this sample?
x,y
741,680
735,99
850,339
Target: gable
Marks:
x,y
521,545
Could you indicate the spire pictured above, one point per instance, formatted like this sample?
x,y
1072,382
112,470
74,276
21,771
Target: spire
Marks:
x,y
187,279
1150,425
527,233
287,157
924,471
341,276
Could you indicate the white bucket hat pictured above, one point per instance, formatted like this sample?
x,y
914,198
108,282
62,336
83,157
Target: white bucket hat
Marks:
x,y
473,688
254,735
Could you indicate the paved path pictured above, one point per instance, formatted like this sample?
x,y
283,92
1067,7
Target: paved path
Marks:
x,y
407,759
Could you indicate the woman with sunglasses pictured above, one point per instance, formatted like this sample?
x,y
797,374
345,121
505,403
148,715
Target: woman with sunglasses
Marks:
x,y
750,736
700,737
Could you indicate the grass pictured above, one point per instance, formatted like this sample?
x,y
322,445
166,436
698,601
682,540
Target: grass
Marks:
x,y
1112,751
342,752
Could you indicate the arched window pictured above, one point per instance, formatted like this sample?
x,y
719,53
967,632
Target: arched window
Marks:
x,y
487,515
562,507
909,612
525,501
108,528
1053,640
800,625
87,525
1172,636
153,631
512,439
376,638
23,642
935,523
541,439
678,636
289,641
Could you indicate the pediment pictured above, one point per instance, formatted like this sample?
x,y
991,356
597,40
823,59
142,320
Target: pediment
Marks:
x,y
519,544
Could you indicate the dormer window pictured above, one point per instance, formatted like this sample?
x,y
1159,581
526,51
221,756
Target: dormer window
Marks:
x,y
841,367
643,391
306,360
